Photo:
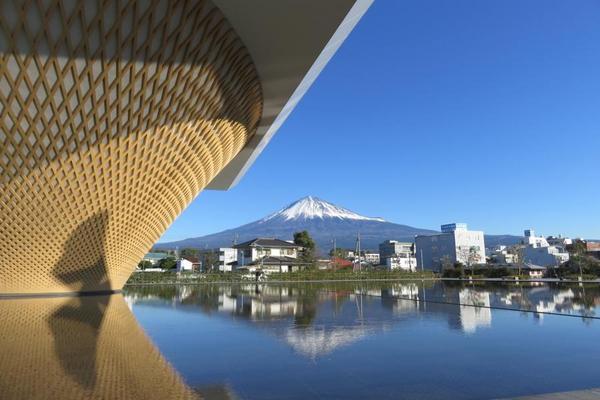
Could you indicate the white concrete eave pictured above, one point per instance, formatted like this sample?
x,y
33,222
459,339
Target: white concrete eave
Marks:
x,y
290,42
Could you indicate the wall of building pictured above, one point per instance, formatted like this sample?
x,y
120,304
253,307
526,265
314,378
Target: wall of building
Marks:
x,y
430,250
184,265
390,248
460,245
470,247
404,263
544,256
227,256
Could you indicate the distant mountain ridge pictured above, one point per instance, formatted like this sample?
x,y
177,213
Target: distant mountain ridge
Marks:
x,y
324,221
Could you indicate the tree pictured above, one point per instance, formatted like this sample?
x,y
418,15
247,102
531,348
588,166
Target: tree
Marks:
x,y
339,253
307,254
578,247
446,262
144,264
209,259
167,263
188,252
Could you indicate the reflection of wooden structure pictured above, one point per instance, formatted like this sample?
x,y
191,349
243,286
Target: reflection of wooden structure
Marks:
x,y
86,348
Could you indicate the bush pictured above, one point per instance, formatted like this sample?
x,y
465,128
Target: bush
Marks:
x,y
578,264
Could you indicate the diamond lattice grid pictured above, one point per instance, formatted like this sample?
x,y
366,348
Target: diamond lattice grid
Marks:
x,y
113,116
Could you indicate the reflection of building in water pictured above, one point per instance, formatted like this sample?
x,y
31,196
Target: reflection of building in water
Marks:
x,y
401,297
86,347
546,299
315,320
561,302
262,302
474,310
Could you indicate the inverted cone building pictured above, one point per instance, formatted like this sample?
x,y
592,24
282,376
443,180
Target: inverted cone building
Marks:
x,y
114,115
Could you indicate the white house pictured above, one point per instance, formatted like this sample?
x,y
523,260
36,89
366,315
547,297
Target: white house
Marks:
x,y
227,258
405,262
454,244
269,255
183,264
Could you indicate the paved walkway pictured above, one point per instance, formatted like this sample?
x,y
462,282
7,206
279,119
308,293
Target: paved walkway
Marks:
x,y
589,394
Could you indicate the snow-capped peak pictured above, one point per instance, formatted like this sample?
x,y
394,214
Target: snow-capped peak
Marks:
x,y
312,207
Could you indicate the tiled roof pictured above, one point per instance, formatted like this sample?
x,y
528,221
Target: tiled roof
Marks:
x,y
266,242
278,261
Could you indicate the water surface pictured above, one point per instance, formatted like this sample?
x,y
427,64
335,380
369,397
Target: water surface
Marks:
x,y
377,340
354,340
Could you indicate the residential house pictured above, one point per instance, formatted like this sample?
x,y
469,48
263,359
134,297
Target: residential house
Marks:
x,y
268,255
403,261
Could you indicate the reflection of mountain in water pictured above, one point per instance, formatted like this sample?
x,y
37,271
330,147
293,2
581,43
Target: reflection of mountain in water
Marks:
x,y
318,341
316,320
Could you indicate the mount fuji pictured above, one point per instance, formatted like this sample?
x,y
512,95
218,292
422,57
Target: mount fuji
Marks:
x,y
323,220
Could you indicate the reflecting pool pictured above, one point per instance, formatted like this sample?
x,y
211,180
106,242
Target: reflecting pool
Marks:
x,y
395,340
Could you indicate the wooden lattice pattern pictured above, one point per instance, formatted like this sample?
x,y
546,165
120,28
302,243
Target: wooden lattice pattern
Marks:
x,y
114,115
81,348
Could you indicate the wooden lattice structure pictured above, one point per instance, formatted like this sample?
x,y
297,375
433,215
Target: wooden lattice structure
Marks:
x,y
114,115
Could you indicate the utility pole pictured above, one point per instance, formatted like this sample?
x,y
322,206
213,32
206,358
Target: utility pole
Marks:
x,y
333,255
357,250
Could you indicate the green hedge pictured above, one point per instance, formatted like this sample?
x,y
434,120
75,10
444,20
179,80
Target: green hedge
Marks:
x,y
310,275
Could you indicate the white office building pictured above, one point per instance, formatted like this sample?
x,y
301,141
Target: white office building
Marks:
x,y
539,252
455,244
391,248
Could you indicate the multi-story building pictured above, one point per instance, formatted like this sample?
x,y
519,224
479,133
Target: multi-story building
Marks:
x,y
394,254
268,254
227,258
218,259
503,255
531,240
115,115
455,244
391,248
537,250
371,257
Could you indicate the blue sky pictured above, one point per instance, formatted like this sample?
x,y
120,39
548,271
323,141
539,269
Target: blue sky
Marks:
x,y
481,111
